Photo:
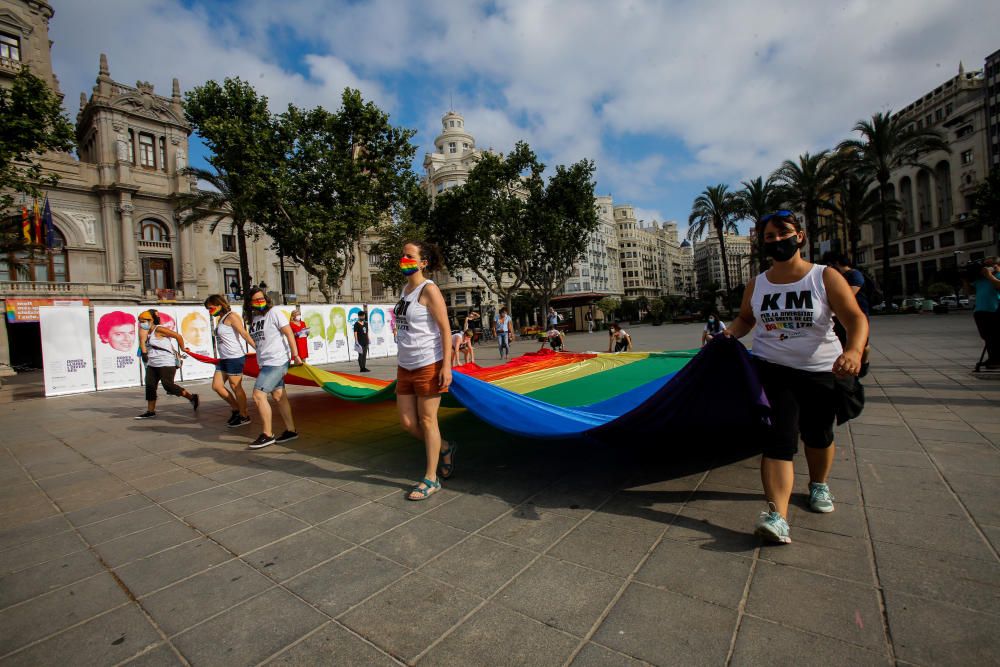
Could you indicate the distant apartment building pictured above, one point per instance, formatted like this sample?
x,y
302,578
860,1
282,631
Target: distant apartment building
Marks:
x,y
708,260
991,73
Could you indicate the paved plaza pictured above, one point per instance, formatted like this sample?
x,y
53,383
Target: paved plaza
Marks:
x,y
167,542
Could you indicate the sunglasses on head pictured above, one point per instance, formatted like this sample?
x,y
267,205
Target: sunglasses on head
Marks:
x,y
777,214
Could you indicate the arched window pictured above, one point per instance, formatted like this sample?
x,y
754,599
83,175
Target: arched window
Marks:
x,y
942,183
131,146
42,262
154,231
906,203
925,205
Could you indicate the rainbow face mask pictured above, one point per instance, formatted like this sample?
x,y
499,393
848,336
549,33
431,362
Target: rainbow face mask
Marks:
x,y
214,310
258,305
408,266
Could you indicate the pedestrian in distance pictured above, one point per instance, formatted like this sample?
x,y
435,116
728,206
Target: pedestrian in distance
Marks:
x,y
589,317
276,350
553,318
229,331
462,342
619,340
985,280
554,339
798,358
713,327
160,350
361,341
424,357
502,330
301,333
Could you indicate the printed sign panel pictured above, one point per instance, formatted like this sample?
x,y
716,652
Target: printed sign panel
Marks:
x,y
339,338
379,332
67,357
316,318
26,310
116,346
197,332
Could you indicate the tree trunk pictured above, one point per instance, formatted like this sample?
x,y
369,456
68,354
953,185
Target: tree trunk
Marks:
x,y
887,287
241,241
725,266
853,231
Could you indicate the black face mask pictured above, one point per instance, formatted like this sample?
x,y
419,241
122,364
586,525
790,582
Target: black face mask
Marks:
x,y
783,250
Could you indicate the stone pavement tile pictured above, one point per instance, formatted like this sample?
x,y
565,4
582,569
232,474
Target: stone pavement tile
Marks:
x,y
251,632
236,473
479,565
398,500
831,607
762,642
604,547
159,656
181,489
595,655
105,640
153,482
130,547
965,435
124,524
39,551
328,504
94,496
953,461
373,489
928,532
42,578
258,531
702,573
724,500
993,535
969,483
644,512
738,476
874,430
223,516
161,569
843,490
663,627
721,532
108,510
933,499
496,635
202,500
297,553
973,584
933,633
191,601
289,494
365,522
40,508
47,469
346,580
332,645
891,442
409,615
147,469
70,483
41,616
561,595
824,553
416,542
984,509
34,530
469,512
890,457
845,520
528,528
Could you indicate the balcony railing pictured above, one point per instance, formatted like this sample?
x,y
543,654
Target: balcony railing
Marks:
x,y
10,65
155,245
45,289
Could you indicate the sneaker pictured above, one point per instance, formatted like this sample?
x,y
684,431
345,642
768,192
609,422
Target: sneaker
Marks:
x,y
195,402
286,436
772,527
820,499
262,441
238,421
233,417
146,415
366,370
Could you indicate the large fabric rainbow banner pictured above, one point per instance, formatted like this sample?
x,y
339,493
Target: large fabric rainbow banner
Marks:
x,y
557,395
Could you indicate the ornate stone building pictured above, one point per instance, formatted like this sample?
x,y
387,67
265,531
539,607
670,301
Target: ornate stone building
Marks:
x,y
708,260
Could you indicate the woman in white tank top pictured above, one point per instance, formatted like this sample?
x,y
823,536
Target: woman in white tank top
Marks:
x,y
230,333
800,362
423,336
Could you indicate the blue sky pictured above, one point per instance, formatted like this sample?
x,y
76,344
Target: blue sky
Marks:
x,y
665,97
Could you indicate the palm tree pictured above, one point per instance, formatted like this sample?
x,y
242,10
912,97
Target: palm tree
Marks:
x,y
216,205
887,143
757,199
715,208
806,186
857,204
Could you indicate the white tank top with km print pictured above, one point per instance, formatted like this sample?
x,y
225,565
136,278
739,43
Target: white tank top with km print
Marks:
x,y
418,336
795,323
227,340
160,352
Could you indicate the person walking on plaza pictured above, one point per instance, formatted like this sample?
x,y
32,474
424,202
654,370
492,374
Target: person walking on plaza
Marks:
x,y
301,333
272,336
162,358
986,311
424,357
589,317
619,340
361,341
229,330
790,309
713,328
501,331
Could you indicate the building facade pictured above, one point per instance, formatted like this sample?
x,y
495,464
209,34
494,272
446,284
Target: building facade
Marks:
x,y
708,260
991,90
936,199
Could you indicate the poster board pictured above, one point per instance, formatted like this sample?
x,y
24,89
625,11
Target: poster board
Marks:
x,y
67,353
116,346
316,318
338,334
197,332
379,332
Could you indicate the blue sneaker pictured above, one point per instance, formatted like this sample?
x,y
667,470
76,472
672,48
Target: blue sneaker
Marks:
x,y
820,499
772,527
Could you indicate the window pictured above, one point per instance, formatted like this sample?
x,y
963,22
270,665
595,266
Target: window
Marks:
x,y
451,123
231,281
131,146
228,243
157,273
452,147
967,157
146,157
928,119
10,47
459,298
288,280
465,145
163,153
152,230
41,264
946,239
909,247
973,234
948,108
927,243
938,114
964,131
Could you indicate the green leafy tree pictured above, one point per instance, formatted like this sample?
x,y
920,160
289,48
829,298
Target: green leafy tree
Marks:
x,y
886,143
715,208
656,308
857,204
236,126
806,185
987,205
609,306
33,124
339,175
758,198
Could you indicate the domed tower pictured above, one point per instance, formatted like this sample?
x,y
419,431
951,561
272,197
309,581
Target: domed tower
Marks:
x,y
454,156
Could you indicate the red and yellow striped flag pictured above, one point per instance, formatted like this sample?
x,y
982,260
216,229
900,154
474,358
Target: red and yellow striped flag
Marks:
x,y
25,223
38,223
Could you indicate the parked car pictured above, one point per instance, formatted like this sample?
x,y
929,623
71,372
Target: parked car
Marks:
x,y
963,301
880,307
911,305
949,301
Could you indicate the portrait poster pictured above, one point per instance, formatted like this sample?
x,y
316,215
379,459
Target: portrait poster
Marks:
x,y
391,346
116,347
378,332
352,318
67,354
339,337
197,332
316,319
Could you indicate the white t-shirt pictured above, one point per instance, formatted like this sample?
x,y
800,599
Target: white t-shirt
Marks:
x,y
709,329
502,323
272,346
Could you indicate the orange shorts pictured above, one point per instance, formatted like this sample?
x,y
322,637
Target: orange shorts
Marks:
x,y
422,381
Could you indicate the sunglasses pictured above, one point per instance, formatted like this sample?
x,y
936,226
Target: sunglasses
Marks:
x,y
777,214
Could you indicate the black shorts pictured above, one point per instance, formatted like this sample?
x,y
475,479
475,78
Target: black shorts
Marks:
x,y
802,403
